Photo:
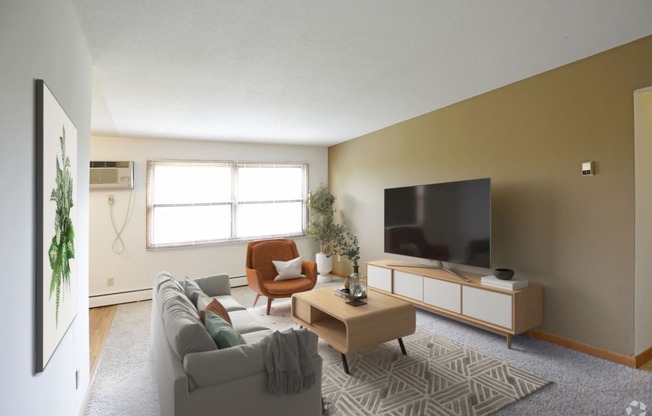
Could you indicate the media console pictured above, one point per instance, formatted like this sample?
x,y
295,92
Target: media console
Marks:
x,y
501,311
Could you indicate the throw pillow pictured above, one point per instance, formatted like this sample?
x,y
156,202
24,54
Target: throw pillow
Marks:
x,y
192,290
218,309
288,269
203,301
215,285
221,332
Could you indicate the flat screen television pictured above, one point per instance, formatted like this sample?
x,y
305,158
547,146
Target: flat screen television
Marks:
x,y
446,222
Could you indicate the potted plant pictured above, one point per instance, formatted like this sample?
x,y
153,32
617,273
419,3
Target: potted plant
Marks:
x,y
347,245
323,229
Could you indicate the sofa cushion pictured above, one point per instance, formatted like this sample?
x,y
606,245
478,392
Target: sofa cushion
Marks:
x,y
227,301
192,290
244,322
216,307
169,290
288,286
183,329
166,277
221,332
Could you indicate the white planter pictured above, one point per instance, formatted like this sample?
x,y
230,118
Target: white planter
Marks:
x,y
324,267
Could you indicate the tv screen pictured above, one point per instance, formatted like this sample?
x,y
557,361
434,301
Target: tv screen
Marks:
x,y
448,222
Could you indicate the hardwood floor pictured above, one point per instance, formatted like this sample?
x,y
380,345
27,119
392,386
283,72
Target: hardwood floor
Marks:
x,y
100,320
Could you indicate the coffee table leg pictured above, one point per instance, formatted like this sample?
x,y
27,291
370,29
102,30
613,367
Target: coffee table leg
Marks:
x,y
400,342
345,364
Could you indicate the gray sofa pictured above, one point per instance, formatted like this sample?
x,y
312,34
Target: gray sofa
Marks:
x,y
196,378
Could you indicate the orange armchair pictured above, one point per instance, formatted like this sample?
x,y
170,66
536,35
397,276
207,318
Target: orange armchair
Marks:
x,y
261,271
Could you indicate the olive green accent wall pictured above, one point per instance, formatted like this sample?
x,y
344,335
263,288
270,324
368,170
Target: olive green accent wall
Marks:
x,y
572,234
643,259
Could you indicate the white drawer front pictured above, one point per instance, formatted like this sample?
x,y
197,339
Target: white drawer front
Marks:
x,y
379,278
445,295
492,307
408,284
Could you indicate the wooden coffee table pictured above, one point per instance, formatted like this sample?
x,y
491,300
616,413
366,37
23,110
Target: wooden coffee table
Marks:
x,y
349,328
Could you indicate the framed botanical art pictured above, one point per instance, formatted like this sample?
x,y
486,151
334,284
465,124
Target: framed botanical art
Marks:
x,y
56,195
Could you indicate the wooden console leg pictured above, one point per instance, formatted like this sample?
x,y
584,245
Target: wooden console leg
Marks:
x,y
509,341
400,342
345,364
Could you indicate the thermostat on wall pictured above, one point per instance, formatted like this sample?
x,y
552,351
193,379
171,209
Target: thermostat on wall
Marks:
x,y
587,168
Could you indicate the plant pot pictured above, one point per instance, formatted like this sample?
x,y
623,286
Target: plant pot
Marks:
x,y
324,267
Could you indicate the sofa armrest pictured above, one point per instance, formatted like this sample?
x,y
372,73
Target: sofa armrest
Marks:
x,y
214,285
309,269
215,367
210,368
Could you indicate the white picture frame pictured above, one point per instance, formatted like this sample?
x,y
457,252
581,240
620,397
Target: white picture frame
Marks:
x,y
56,197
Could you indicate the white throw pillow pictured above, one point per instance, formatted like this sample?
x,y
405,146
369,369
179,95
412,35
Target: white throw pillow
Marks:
x,y
288,269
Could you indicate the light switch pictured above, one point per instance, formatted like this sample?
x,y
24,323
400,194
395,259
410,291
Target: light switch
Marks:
x,y
587,168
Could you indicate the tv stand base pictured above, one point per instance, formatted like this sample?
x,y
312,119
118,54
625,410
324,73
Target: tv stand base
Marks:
x,y
439,265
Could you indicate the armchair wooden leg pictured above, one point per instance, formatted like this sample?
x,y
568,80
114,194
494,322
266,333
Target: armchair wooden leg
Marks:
x,y
257,296
269,305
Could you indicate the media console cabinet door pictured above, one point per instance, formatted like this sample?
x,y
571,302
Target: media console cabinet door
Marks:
x,y
492,307
409,285
379,278
444,295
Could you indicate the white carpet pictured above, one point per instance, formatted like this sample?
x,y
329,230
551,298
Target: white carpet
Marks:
x,y
125,383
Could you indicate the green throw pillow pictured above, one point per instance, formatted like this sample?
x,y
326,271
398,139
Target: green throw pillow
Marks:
x,y
221,332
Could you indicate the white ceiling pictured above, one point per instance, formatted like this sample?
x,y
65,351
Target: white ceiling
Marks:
x,y
322,72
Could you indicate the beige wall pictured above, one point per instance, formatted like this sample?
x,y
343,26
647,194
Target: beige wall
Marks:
x,y
135,269
572,234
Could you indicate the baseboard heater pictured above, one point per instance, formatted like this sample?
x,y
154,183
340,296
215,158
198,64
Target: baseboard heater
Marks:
x,y
237,281
116,298
128,296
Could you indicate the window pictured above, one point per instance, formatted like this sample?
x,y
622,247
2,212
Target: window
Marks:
x,y
199,203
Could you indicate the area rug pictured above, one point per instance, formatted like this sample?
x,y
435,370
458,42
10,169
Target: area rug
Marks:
x,y
437,377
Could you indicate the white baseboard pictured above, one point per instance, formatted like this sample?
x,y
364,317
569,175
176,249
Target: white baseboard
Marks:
x,y
95,301
238,281
117,298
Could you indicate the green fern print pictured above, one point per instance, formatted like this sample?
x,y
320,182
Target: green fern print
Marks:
x,y
62,247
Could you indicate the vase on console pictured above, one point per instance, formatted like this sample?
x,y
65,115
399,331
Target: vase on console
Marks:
x,y
357,288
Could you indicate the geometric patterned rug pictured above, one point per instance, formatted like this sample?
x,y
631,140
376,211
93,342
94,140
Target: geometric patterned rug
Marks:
x,y
437,377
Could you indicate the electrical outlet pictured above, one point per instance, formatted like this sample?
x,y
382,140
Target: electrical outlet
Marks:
x,y
109,281
109,199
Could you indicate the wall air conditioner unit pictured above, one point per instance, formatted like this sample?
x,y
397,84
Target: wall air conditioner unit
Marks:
x,y
112,175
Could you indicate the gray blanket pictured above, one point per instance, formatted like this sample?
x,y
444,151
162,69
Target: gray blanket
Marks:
x,y
287,361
